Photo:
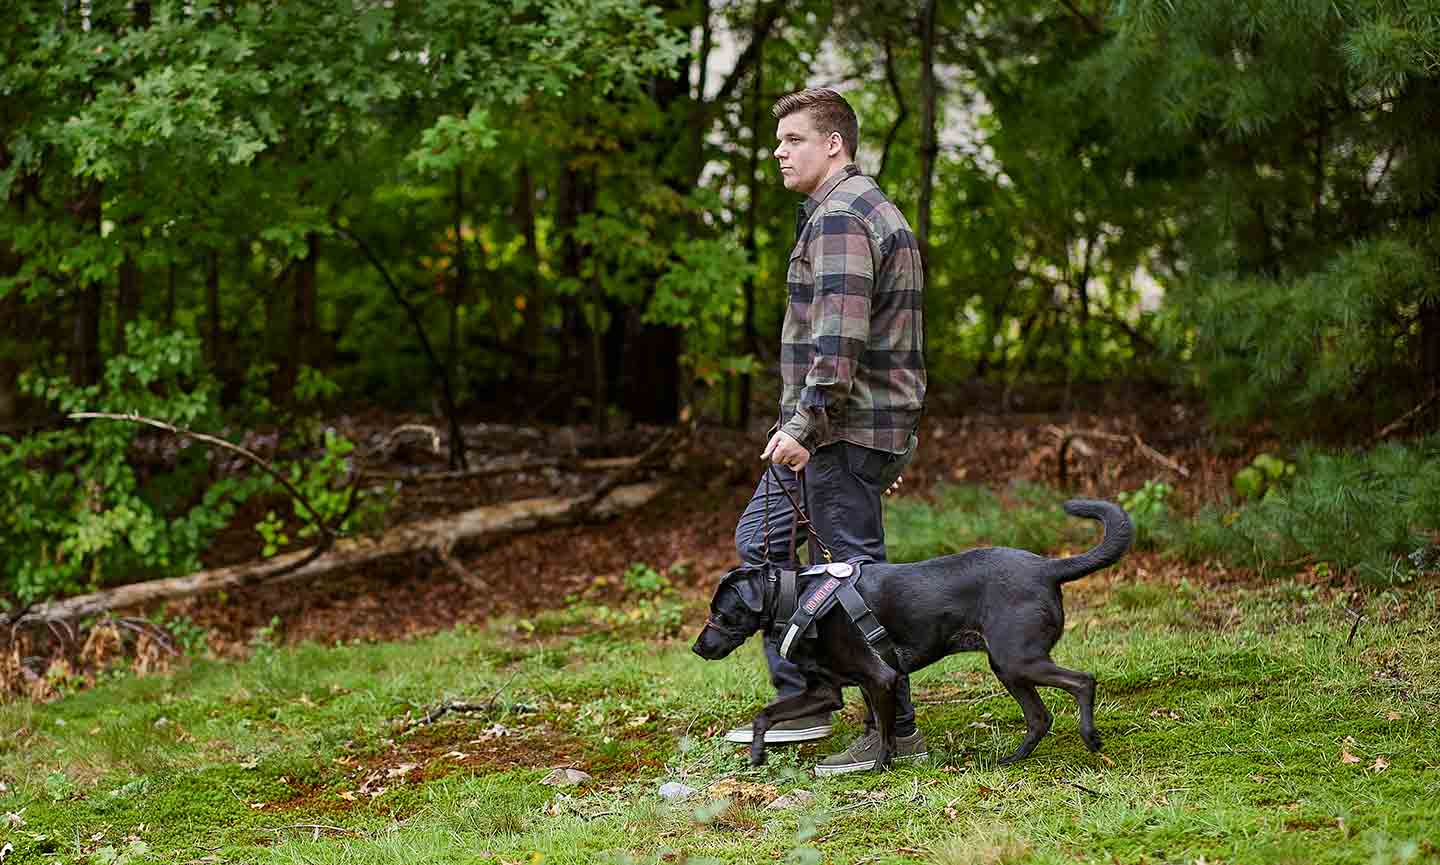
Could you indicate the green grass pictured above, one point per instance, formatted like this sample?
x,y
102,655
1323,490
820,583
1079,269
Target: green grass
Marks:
x,y
963,516
1265,739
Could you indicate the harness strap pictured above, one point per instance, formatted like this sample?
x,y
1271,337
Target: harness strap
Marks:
x,y
836,589
870,627
786,598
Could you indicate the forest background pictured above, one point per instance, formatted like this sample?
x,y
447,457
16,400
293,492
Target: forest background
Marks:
x,y
241,215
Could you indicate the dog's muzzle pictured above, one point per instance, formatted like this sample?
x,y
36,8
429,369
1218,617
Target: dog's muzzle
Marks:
x,y
716,640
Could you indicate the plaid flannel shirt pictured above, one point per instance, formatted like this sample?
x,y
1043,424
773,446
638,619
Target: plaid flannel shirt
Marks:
x,y
851,350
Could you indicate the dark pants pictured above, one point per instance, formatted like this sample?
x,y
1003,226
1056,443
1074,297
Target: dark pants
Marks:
x,y
844,483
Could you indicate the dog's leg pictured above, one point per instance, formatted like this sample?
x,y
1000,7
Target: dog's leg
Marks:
x,y
1081,686
878,685
1037,717
809,702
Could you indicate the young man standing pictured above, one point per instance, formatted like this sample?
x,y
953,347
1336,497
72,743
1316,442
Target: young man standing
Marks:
x,y
853,376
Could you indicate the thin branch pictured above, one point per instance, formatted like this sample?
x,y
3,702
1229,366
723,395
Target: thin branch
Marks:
x,y
1089,23
1407,417
457,444
894,79
1068,436
327,534
316,827
764,21
217,442
448,706
665,442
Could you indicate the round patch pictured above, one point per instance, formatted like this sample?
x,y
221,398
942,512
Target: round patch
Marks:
x,y
840,569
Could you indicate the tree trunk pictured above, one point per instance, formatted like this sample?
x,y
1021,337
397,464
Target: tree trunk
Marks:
x,y
85,362
170,295
459,291
535,289
127,299
1430,342
214,348
442,536
748,341
929,147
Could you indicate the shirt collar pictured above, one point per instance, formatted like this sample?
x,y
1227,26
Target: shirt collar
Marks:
x,y
813,201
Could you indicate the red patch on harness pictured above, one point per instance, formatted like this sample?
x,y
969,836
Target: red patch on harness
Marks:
x,y
814,601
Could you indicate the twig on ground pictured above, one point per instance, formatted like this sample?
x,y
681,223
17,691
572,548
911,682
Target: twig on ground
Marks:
x,y
667,441
1407,416
1068,436
967,701
140,626
387,445
449,706
464,574
1355,626
314,827
1079,786
505,466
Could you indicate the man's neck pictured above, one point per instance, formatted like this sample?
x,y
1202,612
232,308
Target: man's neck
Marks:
x,y
835,169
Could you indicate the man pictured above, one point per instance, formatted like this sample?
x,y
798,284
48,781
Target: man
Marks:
x,y
853,378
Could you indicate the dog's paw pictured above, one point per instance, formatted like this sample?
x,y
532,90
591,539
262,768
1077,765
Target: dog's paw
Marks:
x,y
1092,740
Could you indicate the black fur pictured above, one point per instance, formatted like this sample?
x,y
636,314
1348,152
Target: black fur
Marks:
x,y
1003,601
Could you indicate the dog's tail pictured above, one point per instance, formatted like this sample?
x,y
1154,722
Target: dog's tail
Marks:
x,y
1118,534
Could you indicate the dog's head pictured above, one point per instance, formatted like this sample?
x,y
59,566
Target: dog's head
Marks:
x,y
736,612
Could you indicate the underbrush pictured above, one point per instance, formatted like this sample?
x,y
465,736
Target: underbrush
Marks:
x,y
1373,514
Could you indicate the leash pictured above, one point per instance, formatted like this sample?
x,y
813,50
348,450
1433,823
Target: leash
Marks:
x,y
800,518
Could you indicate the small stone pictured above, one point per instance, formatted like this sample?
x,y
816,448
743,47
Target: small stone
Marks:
x,y
565,778
793,799
674,791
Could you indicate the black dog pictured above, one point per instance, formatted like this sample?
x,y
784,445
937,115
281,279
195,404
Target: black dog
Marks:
x,y
1002,601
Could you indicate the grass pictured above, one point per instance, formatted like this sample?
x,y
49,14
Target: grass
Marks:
x,y
1268,740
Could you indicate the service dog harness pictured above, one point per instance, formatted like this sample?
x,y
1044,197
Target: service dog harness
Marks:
x,y
833,583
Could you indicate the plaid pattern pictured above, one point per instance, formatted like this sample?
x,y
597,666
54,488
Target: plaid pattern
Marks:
x,y
851,350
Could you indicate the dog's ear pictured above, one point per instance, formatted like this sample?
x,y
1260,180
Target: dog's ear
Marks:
x,y
747,582
750,593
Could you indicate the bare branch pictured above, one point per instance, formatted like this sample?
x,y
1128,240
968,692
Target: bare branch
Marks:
x,y
249,455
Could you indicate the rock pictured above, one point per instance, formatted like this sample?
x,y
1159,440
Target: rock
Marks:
x,y
674,791
565,778
793,799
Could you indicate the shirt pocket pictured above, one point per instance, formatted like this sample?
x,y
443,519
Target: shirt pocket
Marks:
x,y
800,277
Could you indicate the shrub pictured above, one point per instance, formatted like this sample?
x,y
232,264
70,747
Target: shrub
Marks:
x,y
1374,513
75,513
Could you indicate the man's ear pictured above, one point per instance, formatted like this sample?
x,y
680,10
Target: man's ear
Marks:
x,y
835,144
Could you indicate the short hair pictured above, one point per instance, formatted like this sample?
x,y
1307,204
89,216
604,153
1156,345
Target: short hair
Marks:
x,y
828,110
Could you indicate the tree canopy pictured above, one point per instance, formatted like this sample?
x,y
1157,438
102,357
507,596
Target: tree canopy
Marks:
x,y
567,210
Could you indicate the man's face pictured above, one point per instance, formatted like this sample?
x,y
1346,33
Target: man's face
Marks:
x,y
804,154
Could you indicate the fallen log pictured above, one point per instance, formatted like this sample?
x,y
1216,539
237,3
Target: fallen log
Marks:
x,y
441,536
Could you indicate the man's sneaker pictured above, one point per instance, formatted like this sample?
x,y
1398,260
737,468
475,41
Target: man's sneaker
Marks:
x,y
804,729
865,751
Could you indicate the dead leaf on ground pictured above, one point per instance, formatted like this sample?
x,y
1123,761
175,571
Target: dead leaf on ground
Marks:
x,y
1380,765
742,793
1347,757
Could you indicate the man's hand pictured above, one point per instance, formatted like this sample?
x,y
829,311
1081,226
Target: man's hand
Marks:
x,y
895,487
783,450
